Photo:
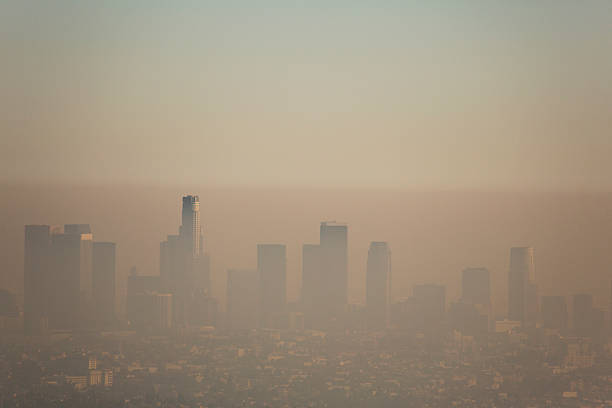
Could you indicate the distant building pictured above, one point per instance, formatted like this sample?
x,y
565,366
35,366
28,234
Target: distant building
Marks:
x,y
506,326
184,266
272,273
554,312
325,277
334,252
36,274
242,299
522,289
70,301
378,286
104,273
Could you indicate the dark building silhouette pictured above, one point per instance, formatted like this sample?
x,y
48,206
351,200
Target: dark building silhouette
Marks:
x,y
325,278
272,272
70,300
148,306
554,312
522,289
104,274
476,286
36,278
334,250
378,286
242,299
184,266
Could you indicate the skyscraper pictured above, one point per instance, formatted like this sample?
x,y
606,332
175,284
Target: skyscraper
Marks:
x,y
36,276
104,282
378,286
190,230
272,271
476,286
522,289
71,279
184,266
242,299
334,252
554,312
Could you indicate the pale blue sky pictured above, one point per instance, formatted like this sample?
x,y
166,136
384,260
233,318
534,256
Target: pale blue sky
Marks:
x,y
425,95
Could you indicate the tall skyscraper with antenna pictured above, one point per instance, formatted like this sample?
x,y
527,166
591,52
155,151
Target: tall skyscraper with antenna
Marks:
x,y
184,266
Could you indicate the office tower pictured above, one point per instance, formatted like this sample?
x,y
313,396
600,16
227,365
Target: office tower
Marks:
x,y
272,271
334,253
522,289
71,282
190,231
184,266
148,306
36,274
554,312
242,299
475,286
104,282
143,283
378,286
150,311
429,305
312,276
583,314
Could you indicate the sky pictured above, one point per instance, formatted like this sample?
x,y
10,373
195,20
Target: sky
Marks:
x,y
402,94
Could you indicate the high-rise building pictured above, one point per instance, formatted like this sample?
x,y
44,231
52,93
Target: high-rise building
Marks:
x,y
476,286
583,314
378,286
554,312
522,289
190,230
242,299
148,306
71,284
104,282
184,266
272,271
36,277
334,252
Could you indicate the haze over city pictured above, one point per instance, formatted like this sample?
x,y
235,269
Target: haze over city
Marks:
x,y
231,204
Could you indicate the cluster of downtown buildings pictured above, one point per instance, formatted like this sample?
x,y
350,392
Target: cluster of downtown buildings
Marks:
x,y
69,283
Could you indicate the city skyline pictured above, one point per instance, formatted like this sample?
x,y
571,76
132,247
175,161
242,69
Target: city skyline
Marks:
x,y
499,264
58,258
